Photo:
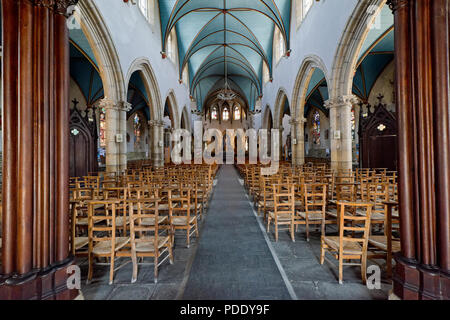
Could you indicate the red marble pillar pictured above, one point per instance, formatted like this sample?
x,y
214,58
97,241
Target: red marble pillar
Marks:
x,y
35,253
422,72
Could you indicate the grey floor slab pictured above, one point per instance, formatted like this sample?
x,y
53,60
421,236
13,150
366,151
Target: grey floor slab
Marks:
x,y
233,260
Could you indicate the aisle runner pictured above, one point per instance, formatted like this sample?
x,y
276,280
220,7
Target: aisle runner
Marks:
x,y
233,261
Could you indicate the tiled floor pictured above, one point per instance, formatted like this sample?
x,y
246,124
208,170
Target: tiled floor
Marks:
x,y
232,260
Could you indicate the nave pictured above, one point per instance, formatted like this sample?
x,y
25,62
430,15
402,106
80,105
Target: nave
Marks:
x,y
235,259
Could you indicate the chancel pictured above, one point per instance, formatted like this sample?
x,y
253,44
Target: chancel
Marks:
x,y
225,150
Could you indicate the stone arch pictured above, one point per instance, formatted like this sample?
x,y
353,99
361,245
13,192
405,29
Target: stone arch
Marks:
x,y
267,119
143,66
352,40
100,40
279,108
171,100
186,119
306,71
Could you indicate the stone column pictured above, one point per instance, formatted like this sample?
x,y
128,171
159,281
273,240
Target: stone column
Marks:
x,y
298,133
116,130
341,131
157,142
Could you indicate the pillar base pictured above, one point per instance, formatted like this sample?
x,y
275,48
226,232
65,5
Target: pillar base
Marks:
x,y
413,281
48,284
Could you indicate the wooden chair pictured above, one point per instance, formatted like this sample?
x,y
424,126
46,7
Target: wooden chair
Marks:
x,y
79,237
149,235
383,246
283,209
348,246
103,242
315,203
181,217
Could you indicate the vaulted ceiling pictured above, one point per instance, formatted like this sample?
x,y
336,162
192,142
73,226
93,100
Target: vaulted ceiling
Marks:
x,y
214,35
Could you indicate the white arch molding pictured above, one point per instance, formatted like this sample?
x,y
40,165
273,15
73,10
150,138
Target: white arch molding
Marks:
x,y
340,86
115,102
306,71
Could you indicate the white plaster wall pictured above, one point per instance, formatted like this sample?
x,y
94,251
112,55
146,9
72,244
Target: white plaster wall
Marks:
x,y
319,34
134,37
384,85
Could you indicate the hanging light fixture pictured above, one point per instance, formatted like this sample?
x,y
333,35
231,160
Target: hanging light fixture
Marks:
x,y
226,94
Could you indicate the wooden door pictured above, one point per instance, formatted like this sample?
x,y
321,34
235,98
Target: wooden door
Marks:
x,y
382,152
79,153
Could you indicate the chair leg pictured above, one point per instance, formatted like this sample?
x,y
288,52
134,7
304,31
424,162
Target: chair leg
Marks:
x,y
292,232
364,269
188,242
268,225
135,265
341,266
156,267
170,253
276,231
91,268
322,252
111,270
196,228
307,230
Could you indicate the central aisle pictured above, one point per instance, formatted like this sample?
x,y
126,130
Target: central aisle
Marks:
x,y
233,261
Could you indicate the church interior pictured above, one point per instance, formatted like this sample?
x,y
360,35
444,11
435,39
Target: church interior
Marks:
x,y
347,99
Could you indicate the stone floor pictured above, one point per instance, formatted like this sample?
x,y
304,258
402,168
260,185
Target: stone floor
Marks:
x,y
234,259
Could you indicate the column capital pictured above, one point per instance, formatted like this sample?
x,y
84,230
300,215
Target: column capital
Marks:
x,y
341,101
49,4
115,105
64,7
294,122
156,123
394,5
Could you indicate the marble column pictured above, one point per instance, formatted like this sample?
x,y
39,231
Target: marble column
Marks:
x,y
116,134
35,230
298,133
341,131
157,142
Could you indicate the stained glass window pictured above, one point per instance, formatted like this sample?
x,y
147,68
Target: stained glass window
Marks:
x,y
214,113
353,124
237,113
316,127
102,128
137,130
226,114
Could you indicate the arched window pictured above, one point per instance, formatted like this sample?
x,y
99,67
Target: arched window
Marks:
x,y
237,113
172,46
214,113
143,5
102,126
186,75
266,74
353,124
307,4
316,127
137,124
225,114
278,45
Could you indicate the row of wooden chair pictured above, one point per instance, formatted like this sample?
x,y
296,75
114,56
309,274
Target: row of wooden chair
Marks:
x,y
353,203
136,214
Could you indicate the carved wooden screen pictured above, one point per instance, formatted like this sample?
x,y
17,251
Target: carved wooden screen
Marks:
x,y
83,144
378,138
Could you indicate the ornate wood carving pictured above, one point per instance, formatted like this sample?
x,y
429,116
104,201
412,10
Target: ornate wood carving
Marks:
x,y
378,129
83,129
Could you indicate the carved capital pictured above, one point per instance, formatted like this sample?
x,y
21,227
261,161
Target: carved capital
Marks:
x,y
341,101
156,123
395,5
114,105
49,4
65,7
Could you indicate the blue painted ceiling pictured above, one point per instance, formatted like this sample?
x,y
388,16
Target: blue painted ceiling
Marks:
x,y
210,32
